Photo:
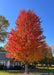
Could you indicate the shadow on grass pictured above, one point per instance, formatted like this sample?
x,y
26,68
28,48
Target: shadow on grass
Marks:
x,y
43,71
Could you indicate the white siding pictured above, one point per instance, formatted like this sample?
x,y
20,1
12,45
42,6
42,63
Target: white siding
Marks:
x,y
8,64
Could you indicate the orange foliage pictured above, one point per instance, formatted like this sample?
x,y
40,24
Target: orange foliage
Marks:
x,y
26,43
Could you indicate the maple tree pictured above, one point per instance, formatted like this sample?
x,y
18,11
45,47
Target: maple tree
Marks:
x,y
26,43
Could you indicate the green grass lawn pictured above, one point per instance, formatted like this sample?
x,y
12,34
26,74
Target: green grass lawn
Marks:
x,y
20,72
10,72
7,73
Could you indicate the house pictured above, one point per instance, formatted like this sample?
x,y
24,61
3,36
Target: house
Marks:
x,y
4,60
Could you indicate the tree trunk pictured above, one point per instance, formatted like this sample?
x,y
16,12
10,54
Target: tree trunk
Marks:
x,y
26,68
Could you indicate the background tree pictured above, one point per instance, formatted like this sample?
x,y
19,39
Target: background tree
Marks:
x,y
26,43
48,57
52,49
3,26
49,52
52,53
5,47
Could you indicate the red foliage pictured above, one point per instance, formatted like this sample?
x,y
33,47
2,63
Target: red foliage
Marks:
x,y
26,43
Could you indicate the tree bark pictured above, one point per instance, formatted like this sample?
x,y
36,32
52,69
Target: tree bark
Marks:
x,y
26,68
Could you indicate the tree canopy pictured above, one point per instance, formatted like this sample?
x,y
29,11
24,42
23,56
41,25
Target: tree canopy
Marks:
x,y
26,43
3,26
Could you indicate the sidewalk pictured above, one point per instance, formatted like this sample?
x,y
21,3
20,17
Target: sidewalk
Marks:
x,y
37,74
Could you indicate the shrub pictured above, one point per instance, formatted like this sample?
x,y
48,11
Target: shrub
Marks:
x,y
32,67
1,67
17,67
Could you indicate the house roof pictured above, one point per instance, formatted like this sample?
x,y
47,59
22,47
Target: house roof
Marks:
x,y
3,55
2,51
